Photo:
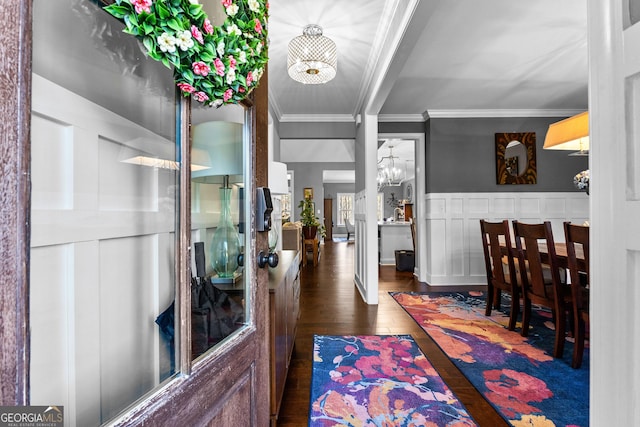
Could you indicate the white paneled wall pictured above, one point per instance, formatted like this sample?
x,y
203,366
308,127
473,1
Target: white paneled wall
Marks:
x,y
102,258
360,264
452,222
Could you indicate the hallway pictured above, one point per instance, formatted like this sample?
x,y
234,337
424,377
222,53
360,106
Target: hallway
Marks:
x,y
331,305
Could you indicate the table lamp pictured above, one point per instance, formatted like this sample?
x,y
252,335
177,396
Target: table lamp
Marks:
x,y
217,146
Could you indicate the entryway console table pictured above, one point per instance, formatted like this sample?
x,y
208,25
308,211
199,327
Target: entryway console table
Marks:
x,y
284,312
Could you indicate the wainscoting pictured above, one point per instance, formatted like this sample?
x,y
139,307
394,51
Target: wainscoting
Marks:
x,y
453,247
102,251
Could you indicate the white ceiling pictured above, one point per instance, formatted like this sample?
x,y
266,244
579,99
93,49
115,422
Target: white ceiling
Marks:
x,y
407,60
404,59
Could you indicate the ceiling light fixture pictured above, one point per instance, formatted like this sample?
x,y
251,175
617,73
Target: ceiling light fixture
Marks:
x,y
312,58
390,174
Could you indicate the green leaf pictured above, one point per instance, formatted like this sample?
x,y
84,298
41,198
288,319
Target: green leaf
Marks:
x,y
205,56
175,60
148,28
132,18
151,19
149,44
188,76
153,54
174,25
166,62
195,9
163,12
118,11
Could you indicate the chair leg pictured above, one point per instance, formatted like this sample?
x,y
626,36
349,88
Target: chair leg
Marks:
x,y
578,347
497,298
513,313
490,292
526,315
558,346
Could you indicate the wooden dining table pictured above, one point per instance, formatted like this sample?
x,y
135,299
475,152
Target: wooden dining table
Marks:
x,y
561,253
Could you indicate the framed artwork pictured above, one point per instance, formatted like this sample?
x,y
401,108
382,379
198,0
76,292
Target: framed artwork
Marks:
x,y
308,193
516,158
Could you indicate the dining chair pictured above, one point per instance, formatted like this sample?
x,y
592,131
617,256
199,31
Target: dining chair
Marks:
x,y
540,277
577,237
501,270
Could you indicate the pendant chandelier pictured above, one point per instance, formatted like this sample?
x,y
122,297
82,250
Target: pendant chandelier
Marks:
x,y
312,58
391,172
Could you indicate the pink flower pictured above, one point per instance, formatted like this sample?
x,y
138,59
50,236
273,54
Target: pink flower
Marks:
x,y
208,28
186,87
219,67
232,62
258,26
200,96
200,68
195,32
227,95
241,89
249,78
227,3
142,5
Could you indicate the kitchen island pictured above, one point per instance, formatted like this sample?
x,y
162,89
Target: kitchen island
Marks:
x,y
393,236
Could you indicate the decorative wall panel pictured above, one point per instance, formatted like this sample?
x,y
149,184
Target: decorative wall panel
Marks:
x,y
102,252
632,145
453,247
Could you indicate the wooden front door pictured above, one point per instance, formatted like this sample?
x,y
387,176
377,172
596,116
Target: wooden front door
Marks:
x,y
328,218
228,385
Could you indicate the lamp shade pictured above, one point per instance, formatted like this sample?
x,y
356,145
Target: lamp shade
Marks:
x,y
569,134
217,151
278,178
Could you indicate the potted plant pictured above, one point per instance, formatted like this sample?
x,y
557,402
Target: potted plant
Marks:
x,y
310,222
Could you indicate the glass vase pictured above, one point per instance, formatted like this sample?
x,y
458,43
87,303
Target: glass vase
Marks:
x,y
225,245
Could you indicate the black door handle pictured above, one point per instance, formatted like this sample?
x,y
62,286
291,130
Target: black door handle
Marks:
x,y
270,258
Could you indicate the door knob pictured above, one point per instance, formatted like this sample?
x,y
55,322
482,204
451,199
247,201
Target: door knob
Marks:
x,y
269,258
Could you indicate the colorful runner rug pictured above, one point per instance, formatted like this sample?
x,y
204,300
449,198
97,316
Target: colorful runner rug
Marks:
x,y
379,380
517,375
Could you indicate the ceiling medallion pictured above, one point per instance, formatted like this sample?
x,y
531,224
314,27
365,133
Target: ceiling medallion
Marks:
x,y
312,58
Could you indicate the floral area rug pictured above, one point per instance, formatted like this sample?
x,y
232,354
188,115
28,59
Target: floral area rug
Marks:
x,y
516,374
380,380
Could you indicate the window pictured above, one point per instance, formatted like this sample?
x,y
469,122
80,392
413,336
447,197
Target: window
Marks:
x,y
345,207
380,209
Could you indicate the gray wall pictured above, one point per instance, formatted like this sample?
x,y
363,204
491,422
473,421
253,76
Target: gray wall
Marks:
x,y
461,156
310,175
401,127
296,130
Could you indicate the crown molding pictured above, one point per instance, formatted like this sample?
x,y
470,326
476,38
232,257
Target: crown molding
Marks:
x,y
433,114
316,118
441,114
397,118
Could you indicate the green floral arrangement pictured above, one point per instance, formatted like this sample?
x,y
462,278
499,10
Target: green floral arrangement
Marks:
x,y
215,65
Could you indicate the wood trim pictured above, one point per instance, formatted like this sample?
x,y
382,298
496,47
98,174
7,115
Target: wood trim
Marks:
x,y
183,255
15,124
260,157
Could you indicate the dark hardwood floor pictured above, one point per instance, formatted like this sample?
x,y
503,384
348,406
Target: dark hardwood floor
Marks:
x,y
330,304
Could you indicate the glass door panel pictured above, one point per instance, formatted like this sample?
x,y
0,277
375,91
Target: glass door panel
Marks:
x,y
218,218
104,215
